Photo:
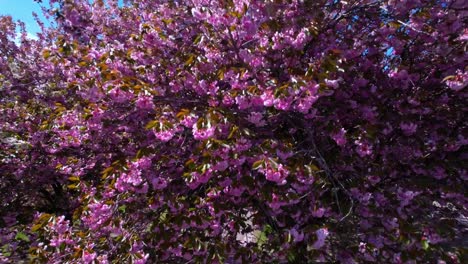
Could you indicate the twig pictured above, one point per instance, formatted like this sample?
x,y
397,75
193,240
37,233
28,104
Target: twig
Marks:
x,y
337,184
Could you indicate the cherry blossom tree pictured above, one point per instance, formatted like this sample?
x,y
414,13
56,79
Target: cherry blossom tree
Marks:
x,y
220,131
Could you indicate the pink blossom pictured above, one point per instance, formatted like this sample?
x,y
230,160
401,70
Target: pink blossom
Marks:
x,y
202,133
98,214
300,40
277,41
390,224
332,83
189,120
340,137
216,229
236,191
277,175
142,260
439,173
363,148
228,100
159,183
275,203
256,118
373,179
103,259
350,106
405,197
362,247
322,234
243,144
282,103
61,225
119,95
297,236
464,35
458,82
284,155
143,163
303,106
408,128
243,102
145,102
165,135
88,257
268,98
198,13
221,166
226,182
318,213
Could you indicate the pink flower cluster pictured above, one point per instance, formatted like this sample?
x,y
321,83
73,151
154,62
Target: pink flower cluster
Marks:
x,y
275,172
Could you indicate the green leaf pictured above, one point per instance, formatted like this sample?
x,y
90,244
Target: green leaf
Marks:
x,y
197,39
182,113
256,165
34,228
163,216
72,186
74,179
450,77
151,124
425,244
221,74
262,239
233,130
22,236
46,54
190,60
167,21
5,250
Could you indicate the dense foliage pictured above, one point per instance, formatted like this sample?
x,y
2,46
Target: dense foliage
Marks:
x,y
221,131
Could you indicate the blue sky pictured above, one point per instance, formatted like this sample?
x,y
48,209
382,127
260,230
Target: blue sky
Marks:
x,y
22,10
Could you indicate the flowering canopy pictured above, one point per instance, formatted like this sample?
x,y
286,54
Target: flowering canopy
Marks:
x,y
212,131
